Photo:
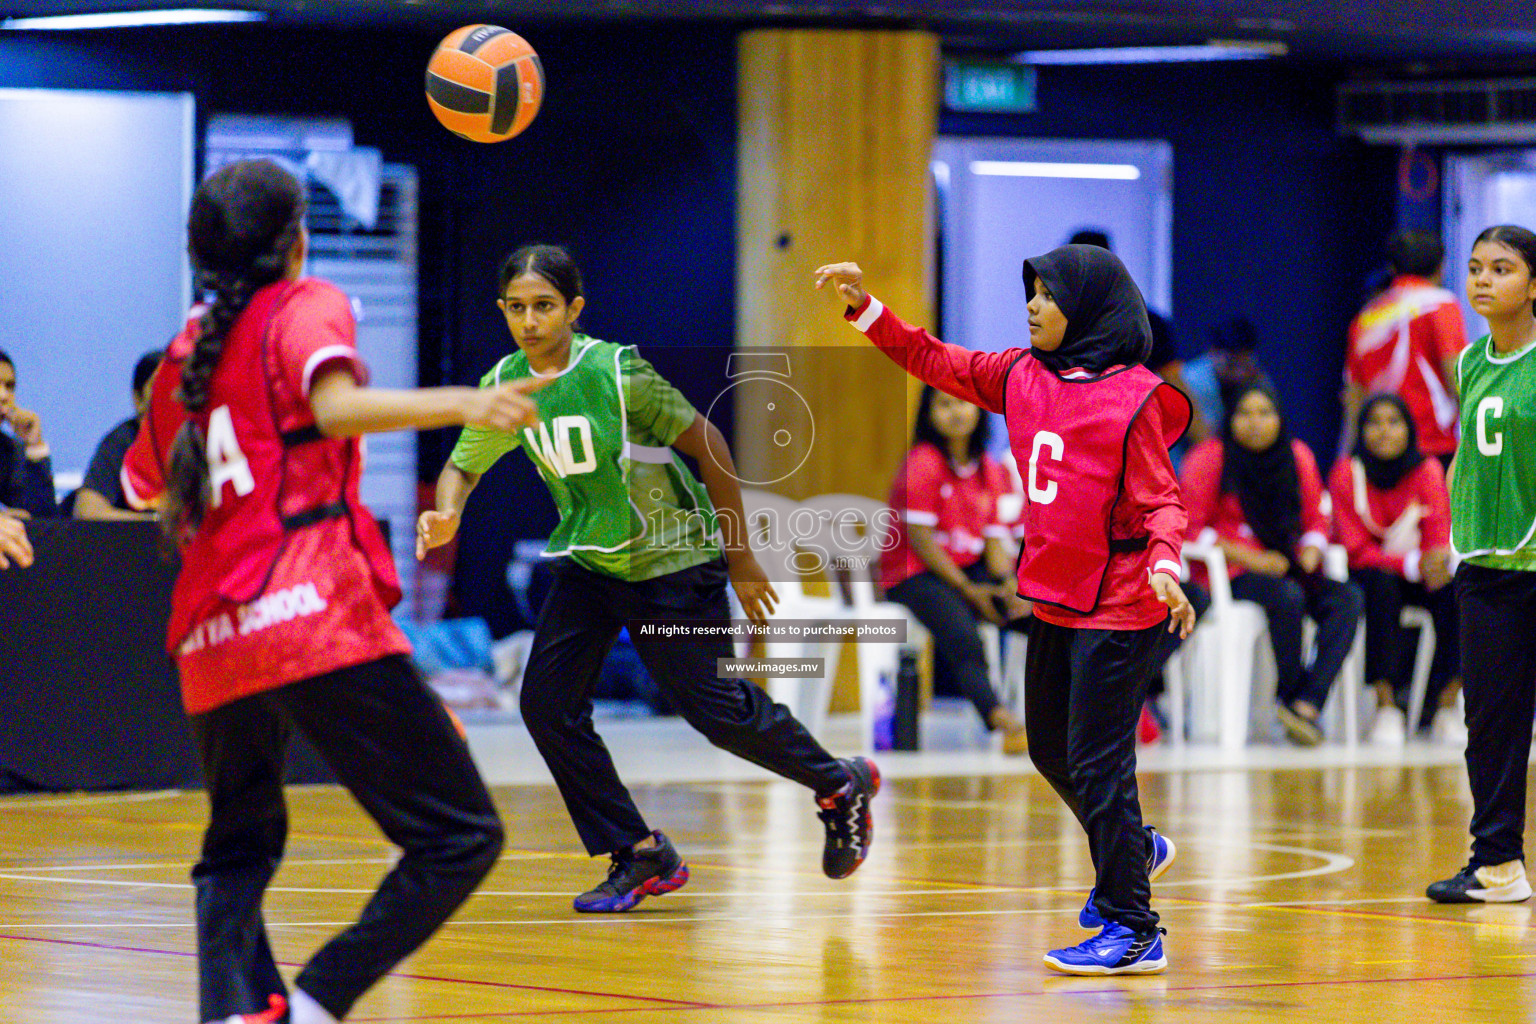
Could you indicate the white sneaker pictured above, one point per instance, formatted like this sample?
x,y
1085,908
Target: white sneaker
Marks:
x,y
1449,727
1498,883
1390,728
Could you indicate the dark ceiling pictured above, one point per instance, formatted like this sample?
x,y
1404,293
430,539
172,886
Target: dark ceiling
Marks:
x,y
1480,33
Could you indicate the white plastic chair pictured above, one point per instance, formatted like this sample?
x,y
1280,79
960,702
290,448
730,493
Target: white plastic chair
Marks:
x,y
1180,670
1230,649
856,539
769,518
1348,690
849,530
1414,617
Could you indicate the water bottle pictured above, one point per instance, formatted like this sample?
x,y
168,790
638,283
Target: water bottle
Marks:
x,y
907,697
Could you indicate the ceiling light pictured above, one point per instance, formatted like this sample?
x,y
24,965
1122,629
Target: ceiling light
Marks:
x,y
1217,49
1036,169
131,19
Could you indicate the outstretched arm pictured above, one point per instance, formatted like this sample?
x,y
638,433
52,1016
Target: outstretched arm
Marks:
x,y
342,408
976,377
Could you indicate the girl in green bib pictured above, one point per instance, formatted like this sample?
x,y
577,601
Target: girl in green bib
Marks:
x,y
640,539
1493,529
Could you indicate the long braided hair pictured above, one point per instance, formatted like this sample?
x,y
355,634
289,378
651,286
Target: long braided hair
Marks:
x,y
242,227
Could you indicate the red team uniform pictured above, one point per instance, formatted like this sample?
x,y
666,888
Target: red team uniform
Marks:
x,y
289,576
1214,513
1077,577
1398,344
280,623
1369,521
1090,429
961,507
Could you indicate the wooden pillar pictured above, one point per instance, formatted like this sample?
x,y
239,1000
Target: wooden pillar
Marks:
x,y
835,138
834,142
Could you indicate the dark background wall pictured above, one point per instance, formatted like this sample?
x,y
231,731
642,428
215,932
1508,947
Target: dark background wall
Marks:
x,y
633,161
1276,217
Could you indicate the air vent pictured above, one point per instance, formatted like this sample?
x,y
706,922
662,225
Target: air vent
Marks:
x,y
1496,111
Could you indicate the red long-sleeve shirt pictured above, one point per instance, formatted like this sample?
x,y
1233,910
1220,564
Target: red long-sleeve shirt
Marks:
x,y
1364,535
1149,506
1213,514
1399,344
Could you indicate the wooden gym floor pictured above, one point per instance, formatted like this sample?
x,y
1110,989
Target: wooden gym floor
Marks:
x,y
1296,896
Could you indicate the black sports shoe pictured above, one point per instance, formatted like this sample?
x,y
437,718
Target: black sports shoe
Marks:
x,y
635,875
1502,883
845,815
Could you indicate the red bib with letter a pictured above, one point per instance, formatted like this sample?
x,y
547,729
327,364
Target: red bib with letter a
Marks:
x,y
1069,435
256,502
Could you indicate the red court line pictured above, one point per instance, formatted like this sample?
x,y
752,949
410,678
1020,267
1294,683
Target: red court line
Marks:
x,y
869,1000
680,1004
876,1000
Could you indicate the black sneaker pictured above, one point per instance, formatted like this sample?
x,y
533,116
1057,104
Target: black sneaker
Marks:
x,y
635,875
845,815
1502,883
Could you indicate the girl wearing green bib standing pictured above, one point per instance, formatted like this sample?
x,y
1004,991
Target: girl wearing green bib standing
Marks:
x,y
1493,529
639,540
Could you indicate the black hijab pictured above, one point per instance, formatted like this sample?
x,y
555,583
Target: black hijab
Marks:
x,y
1266,483
1385,474
1106,318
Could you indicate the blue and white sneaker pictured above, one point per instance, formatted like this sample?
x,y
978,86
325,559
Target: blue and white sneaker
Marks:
x,y
1158,863
1115,950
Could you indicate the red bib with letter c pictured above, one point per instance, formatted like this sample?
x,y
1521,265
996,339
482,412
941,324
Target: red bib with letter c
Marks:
x,y
1069,435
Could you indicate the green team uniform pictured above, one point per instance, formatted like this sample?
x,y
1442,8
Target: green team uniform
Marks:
x,y
629,507
1493,495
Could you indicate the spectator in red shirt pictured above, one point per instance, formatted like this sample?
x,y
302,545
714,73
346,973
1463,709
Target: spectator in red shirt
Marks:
x,y
947,563
1392,512
1256,493
1405,342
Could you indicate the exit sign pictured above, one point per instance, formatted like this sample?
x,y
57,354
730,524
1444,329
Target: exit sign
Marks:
x,y
991,85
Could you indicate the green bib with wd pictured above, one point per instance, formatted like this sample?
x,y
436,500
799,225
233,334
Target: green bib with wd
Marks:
x,y
629,507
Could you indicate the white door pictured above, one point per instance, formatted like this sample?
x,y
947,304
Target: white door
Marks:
x,y
1002,201
1481,190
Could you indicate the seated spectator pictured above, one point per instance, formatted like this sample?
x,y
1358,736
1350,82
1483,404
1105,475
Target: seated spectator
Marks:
x,y
101,495
1405,342
1256,493
948,564
1229,362
26,471
1393,514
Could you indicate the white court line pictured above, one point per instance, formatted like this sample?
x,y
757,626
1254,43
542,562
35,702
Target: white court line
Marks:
x,y
182,865
563,893
1332,864
608,919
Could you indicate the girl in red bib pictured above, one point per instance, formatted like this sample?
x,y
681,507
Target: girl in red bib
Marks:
x,y
280,616
1090,428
